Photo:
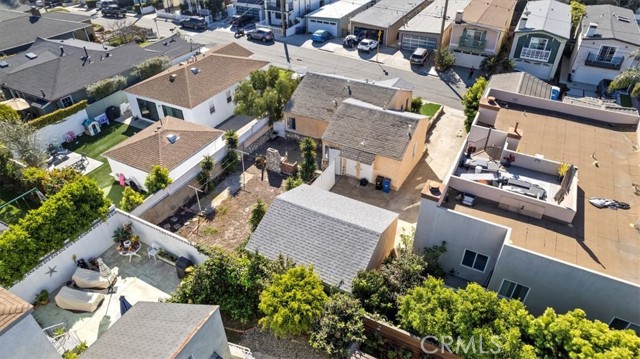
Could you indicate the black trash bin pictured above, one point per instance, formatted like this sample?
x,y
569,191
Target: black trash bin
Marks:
x,y
379,181
182,264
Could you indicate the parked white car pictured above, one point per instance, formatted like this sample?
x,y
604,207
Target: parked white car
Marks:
x,y
367,45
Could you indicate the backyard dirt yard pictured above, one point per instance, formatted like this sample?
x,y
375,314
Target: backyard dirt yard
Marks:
x,y
229,227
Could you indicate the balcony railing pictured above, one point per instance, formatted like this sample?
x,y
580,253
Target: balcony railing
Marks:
x,y
535,54
276,6
471,43
615,63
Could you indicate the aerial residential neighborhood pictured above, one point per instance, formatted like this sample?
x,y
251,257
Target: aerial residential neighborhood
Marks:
x,y
257,179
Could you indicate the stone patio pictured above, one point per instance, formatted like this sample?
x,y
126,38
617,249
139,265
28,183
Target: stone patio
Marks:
x,y
142,279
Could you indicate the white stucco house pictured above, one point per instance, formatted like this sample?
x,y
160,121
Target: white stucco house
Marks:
x,y
175,144
198,91
608,35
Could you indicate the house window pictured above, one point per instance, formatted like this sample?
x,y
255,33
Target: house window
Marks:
x,y
278,15
67,101
474,260
606,53
174,112
229,98
212,108
291,123
538,43
475,34
512,290
621,324
148,109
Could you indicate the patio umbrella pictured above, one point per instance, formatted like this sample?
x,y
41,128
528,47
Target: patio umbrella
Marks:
x,y
124,305
17,104
104,270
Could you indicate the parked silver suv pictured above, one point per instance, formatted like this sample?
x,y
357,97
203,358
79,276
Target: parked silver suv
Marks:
x,y
260,34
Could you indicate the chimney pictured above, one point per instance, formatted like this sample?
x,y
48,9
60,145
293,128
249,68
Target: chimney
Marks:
x,y
35,12
459,14
42,92
592,29
108,54
349,88
523,22
61,51
516,128
173,77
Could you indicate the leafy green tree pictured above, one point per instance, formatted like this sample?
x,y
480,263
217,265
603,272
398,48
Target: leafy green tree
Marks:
x,y
23,141
370,288
471,101
157,179
293,302
445,59
7,114
231,160
206,167
233,281
340,326
292,182
231,136
629,78
130,199
48,182
432,256
308,166
416,104
572,335
257,212
106,87
7,166
578,10
265,93
470,313
151,66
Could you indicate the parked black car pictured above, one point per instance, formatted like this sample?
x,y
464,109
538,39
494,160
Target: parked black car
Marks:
x,y
196,23
114,11
242,20
350,41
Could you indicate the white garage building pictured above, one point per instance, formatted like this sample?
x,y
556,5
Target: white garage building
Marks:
x,y
335,17
424,29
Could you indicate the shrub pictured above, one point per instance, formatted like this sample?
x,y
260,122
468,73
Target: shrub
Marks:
x,y
293,302
61,217
7,114
58,115
48,182
340,326
444,59
292,182
151,66
106,87
471,101
157,179
232,139
490,64
416,104
130,199
308,165
257,212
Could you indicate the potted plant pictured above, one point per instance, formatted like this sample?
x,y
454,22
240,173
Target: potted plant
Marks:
x,y
135,241
58,332
562,170
42,298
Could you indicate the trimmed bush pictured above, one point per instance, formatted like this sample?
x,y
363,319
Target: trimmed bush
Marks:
x,y
62,217
130,199
58,115
103,88
151,66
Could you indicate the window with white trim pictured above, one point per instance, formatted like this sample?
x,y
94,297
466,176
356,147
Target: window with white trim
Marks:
x,y
67,101
621,324
538,43
212,108
513,290
229,98
606,53
474,260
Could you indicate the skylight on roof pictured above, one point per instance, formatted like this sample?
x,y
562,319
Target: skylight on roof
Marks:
x,y
30,55
3,64
172,138
623,19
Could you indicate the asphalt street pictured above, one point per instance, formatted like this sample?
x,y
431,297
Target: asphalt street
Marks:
x,y
430,88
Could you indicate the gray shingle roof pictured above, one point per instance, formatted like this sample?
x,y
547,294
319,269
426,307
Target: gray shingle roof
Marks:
x,y
67,16
19,29
429,20
60,76
173,46
610,24
522,83
363,127
550,16
386,12
151,330
357,155
338,235
315,95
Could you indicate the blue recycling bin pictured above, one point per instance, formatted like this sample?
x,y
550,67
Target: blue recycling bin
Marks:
x,y
386,185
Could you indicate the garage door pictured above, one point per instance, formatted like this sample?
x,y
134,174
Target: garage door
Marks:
x,y
467,59
249,11
357,170
411,42
317,24
539,70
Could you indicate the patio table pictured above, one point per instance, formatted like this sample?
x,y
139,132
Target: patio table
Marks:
x,y
130,253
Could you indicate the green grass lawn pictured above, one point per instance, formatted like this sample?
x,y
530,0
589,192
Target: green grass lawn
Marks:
x,y
13,212
430,109
95,146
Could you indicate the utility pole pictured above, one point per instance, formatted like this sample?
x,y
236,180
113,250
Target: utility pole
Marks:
x,y
444,19
282,18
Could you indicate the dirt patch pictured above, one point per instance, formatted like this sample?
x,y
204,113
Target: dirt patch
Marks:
x,y
229,225
263,344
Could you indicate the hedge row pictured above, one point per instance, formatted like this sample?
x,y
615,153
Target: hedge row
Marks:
x,y
58,115
63,216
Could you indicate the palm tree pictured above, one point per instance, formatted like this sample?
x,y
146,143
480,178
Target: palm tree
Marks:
x,y
206,166
629,78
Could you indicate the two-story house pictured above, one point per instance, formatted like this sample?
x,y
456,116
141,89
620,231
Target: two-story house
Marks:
x,y
608,35
479,30
293,10
253,8
540,37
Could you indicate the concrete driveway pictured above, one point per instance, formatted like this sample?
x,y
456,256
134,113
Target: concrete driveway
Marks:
x,y
444,141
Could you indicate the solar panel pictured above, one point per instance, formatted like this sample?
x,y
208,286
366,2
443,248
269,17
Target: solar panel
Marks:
x,y
30,55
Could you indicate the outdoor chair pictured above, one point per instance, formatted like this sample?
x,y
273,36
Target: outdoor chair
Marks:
x,y
78,301
85,278
153,251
